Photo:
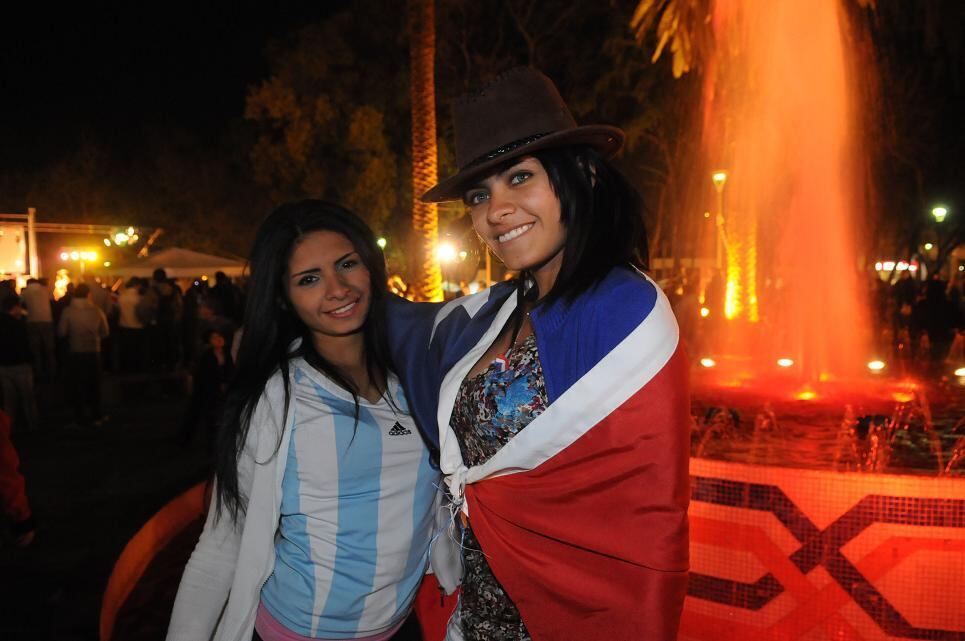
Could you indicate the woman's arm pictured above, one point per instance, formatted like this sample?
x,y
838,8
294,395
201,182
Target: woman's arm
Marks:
x,y
209,574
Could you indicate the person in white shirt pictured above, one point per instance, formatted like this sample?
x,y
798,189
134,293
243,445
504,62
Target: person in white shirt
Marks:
x,y
40,327
324,498
131,345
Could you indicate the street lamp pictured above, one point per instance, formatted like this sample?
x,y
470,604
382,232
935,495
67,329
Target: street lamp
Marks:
x,y
719,178
939,213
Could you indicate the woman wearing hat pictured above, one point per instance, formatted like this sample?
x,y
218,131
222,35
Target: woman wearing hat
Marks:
x,y
559,400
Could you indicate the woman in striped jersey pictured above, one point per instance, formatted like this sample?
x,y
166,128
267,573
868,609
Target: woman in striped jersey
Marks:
x,y
324,494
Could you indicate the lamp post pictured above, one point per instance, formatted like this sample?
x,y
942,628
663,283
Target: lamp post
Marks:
x,y
719,178
939,213
445,253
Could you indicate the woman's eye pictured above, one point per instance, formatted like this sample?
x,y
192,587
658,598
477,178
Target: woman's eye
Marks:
x,y
520,177
475,197
348,264
308,279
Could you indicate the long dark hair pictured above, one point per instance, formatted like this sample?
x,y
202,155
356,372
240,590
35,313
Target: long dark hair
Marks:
x,y
603,217
271,326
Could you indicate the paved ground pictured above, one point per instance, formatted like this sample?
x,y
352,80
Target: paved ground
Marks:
x,y
91,490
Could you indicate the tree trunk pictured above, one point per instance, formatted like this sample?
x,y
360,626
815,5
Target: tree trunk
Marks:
x,y
425,174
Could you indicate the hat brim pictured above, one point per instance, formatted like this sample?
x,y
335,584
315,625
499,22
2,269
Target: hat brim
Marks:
x,y
605,139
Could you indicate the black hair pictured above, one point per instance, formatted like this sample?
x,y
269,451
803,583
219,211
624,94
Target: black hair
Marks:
x,y
82,290
603,217
271,326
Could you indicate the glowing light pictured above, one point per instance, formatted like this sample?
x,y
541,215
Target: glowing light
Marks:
x,y
120,238
706,214
903,397
704,312
878,266
64,255
61,280
806,395
888,265
960,371
75,255
107,242
381,242
134,238
130,231
720,178
463,254
708,362
928,247
445,253
88,256
961,268
876,366
939,213
784,362
107,263
473,287
205,278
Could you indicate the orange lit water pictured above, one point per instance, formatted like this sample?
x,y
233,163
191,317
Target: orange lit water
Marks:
x,y
778,116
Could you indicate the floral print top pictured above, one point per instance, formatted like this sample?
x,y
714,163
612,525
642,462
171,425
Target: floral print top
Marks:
x,y
490,409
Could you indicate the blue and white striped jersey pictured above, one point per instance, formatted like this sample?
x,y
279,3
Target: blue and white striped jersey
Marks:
x,y
356,513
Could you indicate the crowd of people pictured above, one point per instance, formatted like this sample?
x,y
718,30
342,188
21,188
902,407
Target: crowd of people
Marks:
x,y
139,326
919,325
922,321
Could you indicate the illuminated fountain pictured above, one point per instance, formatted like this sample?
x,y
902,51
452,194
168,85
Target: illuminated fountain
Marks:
x,y
826,501
778,116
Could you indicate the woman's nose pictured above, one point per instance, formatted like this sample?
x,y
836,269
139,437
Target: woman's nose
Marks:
x,y
500,206
335,286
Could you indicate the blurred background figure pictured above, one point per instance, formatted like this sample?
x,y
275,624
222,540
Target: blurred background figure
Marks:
x,y
163,299
40,327
211,377
16,372
131,346
84,326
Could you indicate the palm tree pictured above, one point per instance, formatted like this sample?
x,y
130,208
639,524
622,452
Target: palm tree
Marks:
x,y
425,173
683,24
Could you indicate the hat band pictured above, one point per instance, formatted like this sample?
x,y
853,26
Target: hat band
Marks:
x,y
505,149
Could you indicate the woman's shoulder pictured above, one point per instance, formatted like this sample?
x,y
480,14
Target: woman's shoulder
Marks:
x,y
624,293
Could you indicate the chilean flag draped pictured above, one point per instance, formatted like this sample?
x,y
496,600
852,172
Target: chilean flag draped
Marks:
x,y
582,515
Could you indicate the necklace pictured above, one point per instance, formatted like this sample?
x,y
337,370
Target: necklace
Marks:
x,y
501,362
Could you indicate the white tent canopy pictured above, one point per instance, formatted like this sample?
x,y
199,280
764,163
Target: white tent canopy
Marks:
x,y
180,263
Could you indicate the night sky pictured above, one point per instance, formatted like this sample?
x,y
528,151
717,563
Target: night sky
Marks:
x,y
114,72
110,71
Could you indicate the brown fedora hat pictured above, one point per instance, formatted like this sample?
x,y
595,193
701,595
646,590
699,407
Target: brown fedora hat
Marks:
x,y
518,113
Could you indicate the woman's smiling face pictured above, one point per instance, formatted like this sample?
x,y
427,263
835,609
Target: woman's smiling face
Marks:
x,y
328,286
517,213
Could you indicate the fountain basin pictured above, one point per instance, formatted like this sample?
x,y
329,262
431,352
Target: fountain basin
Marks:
x,y
786,553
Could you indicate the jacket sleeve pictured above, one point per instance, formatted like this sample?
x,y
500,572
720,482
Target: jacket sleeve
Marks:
x,y
209,574
410,328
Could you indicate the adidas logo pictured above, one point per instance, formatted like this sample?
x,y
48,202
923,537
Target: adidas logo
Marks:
x,y
398,430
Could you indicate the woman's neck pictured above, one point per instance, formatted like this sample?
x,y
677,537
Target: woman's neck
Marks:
x,y
545,275
347,355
